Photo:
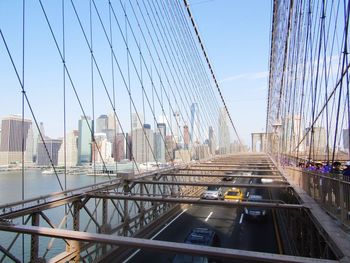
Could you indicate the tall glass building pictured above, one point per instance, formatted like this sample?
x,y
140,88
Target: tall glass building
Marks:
x,y
194,133
159,142
224,134
84,140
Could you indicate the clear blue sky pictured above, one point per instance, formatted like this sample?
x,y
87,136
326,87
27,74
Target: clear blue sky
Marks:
x,y
235,33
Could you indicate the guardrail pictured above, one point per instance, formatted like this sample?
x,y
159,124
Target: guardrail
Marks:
x,y
331,191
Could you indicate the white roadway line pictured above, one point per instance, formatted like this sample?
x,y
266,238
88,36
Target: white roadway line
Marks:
x,y
208,216
251,181
241,219
234,181
247,194
160,231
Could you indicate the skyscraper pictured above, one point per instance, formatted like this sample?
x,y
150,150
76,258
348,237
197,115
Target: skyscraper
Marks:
x,y
195,132
137,121
101,149
13,134
128,146
170,146
177,127
102,123
37,138
44,155
119,151
224,134
211,141
29,153
159,142
112,122
186,137
142,141
71,150
112,128
84,140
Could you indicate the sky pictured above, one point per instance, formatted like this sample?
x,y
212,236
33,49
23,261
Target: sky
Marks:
x,y
235,34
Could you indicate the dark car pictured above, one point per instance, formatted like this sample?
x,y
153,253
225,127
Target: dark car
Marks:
x,y
258,213
228,176
199,236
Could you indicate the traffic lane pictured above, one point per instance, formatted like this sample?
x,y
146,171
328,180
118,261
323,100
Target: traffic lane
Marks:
x,y
220,219
256,234
229,223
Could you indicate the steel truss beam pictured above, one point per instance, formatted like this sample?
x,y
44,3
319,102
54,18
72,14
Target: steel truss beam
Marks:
x,y
245,166
223,175
156,245
198,201
213,184
211,169
9,254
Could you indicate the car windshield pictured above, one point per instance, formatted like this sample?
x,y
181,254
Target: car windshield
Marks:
x,y
233,193
213,188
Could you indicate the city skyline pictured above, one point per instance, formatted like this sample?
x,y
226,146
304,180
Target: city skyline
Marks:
x,y
235,82
77,147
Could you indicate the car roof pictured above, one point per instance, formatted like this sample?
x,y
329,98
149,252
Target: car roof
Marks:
x,y
255,197
213,188
200,236
234,189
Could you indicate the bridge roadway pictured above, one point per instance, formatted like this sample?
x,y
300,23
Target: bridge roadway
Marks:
x,y
233,229
240,238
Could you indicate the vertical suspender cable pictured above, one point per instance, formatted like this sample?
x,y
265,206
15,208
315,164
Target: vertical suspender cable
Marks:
x,y
94,145
23,92
345,52
115,141
64,97
64,104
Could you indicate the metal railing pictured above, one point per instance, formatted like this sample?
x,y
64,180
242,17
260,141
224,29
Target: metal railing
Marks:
x,y
330,190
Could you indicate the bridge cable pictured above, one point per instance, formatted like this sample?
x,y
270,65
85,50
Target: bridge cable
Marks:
x,y
211,70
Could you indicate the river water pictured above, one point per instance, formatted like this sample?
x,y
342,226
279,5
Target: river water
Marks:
x,y
37,184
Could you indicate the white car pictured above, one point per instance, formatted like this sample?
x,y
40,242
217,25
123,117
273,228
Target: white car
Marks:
x,y
212,193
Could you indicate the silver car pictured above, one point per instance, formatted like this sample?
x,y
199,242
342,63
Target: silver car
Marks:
x,y
212,193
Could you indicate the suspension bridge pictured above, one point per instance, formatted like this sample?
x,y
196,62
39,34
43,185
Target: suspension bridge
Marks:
x,y
144,131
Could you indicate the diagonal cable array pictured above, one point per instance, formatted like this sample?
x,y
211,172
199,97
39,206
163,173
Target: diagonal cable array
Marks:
x,y
308,98
138,60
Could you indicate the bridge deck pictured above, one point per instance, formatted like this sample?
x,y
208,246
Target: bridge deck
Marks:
x,y
140,194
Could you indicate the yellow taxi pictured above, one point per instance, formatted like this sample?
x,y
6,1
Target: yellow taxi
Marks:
x,y
233,194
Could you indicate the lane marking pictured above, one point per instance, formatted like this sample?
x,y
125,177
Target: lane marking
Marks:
x,y
234,181
208,216
241,219
247,194
251,181
160,231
